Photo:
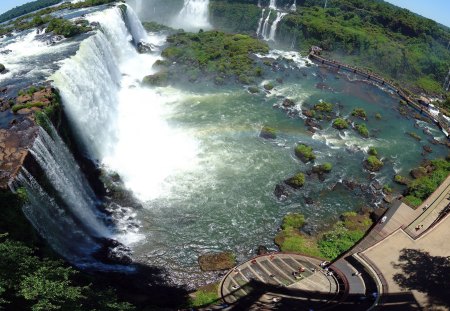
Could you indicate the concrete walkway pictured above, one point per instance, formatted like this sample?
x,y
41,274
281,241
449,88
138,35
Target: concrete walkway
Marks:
x,y
287,277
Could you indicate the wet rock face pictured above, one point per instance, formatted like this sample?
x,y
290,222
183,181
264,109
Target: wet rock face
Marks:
x,y
261,250
113,252
14,145
281,191
216,261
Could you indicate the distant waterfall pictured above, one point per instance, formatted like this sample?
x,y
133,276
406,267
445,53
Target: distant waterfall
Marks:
x,y
258,31
193,16
273,4
274,26
265,28
293,6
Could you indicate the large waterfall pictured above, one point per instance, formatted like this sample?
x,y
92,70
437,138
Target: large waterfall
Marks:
x,y
266,30
273,28
120,123
193,16
65,212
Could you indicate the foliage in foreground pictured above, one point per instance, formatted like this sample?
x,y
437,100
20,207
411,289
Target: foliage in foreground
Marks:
x,y
28,282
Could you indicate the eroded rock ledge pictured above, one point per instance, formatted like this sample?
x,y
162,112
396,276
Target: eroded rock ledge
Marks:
x,y
23,113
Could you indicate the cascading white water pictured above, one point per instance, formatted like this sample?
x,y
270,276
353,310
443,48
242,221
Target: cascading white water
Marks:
x,y
265,28
121,123
293,6
273,4
138,33
273,28
58,227
193,16
65,176
258,31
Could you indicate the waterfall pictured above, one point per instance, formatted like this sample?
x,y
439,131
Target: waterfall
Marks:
x,y
274,26
273,4
136,29
65,177
258,31
293,7
120,123
193,16
55,224
265,27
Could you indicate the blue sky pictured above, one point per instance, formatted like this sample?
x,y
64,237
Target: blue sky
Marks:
x,y
439,10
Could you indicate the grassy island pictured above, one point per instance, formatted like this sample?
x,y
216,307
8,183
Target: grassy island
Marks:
x,y
373,164
362,130
328,244
297,181
304,153
359,113
217,54
340,124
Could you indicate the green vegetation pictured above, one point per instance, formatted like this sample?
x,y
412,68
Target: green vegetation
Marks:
x,y
16,108
27,8
373,164
360,113
378,116
362,130
421,188
155,27
65,27
2,68
304,153
412,201
253,89
372,151
340,124
323,107
296,181
268,132
387,189
157,79
204,296
268,86
28,282
376,35
293,220
322,168
216,54
43,17
401,180
329,244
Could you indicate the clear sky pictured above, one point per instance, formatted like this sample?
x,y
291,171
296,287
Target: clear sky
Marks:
x,y
439,10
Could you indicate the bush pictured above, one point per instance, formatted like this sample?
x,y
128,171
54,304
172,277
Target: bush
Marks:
x,y
360,113
324,107
293,220
412,201
65,28
338,241
268,132
372,151
401,180
326,167
340,124
378,116
304,152
373,163
268,86
296,181
362,130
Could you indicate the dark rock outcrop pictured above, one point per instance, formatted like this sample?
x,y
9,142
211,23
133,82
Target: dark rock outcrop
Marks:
x,y
216,261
